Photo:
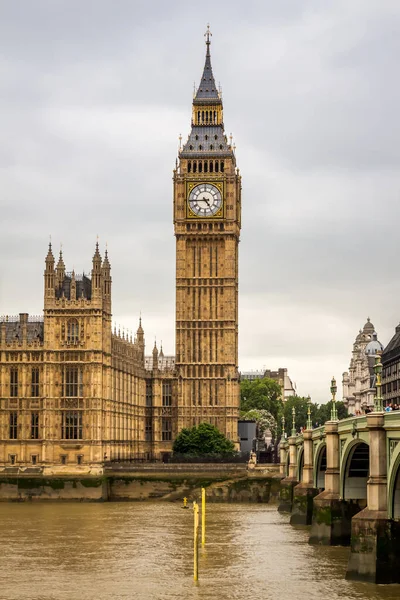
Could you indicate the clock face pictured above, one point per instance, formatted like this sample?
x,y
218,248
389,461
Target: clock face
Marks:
x,y
205,200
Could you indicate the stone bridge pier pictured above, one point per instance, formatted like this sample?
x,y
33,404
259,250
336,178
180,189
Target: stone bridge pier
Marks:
x,y
304,492
289,462
331,516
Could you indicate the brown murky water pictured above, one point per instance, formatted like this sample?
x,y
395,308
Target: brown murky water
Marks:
x,y
144,551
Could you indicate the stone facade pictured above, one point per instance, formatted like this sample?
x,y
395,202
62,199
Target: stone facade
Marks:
x,y
359,381
281,376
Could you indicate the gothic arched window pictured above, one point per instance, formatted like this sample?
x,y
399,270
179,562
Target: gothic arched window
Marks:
x,y
73,331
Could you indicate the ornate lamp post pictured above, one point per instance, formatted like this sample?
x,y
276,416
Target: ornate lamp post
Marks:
x,y
378,403
334,416
283,437
294,421
309,422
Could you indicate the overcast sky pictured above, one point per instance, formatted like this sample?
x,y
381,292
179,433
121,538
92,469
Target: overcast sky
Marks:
x,y
93,97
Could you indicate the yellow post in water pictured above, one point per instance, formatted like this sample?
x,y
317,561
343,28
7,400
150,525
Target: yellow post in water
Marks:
x,y
196,542
185,503
203,516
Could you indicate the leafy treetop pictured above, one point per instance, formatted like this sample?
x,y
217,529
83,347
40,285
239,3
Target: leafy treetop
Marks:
x,y
203,439
261,394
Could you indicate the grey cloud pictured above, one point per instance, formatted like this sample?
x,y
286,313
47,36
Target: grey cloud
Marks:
x,y
93,98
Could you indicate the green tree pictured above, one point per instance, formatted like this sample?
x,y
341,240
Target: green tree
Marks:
x,y
204,439
261,394
300,404
324,412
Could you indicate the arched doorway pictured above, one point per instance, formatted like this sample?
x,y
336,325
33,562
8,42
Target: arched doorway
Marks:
x,y
356,473
320,469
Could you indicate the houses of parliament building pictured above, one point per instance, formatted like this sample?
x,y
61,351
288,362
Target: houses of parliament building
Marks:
x,y
73,393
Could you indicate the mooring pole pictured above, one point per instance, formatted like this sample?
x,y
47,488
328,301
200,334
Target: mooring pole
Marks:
x,y
203,516
196,542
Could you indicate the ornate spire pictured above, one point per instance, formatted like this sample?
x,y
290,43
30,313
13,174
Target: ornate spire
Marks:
x,y
140,328
60,264
207,137
207,89
49,257
155,356
106,262
96,256
96,273
207,36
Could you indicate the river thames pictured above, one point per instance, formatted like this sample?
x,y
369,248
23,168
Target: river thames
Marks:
x,y
143,551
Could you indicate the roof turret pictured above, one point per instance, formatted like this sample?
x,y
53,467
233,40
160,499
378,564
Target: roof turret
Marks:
x,y
374,346
97,256
140,328
50,257
106,262
368,327
60,264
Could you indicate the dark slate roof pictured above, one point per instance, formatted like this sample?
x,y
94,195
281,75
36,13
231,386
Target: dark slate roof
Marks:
x,y
206,139
34,331
83,287
207,89
392,350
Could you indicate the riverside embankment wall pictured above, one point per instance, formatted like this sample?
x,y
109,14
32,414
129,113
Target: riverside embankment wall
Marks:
x,y
224,483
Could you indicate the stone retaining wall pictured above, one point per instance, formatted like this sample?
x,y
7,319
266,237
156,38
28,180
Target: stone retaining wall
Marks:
x,y
149,482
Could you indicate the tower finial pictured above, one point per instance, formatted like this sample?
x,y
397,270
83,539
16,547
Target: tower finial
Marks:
x,y
207,36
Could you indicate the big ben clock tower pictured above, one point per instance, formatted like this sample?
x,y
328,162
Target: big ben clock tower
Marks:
x,y
207,204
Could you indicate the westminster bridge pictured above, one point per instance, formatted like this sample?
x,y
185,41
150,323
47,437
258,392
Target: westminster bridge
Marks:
x,y
343,479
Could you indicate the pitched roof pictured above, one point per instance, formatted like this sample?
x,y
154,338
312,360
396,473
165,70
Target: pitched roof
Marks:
x,y
393,348
210,140
83,287
34,332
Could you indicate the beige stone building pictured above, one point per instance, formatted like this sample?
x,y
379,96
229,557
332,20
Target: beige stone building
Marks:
x,y
281,376
74,394
359,381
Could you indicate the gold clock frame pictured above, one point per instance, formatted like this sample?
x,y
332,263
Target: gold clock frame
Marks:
x,y
218,184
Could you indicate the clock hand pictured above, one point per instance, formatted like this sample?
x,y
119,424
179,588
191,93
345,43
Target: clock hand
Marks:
x,y
206,200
